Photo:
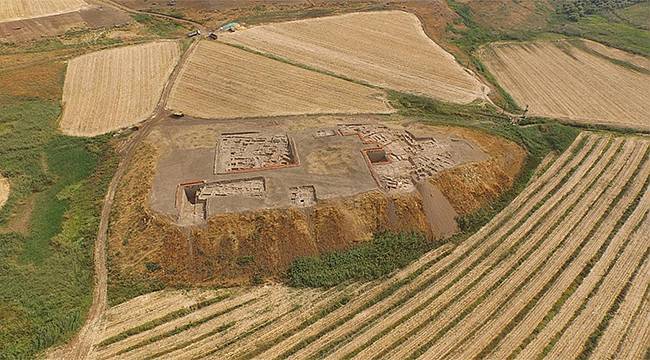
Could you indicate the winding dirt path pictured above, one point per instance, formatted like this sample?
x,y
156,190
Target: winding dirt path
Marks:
x,y
79,347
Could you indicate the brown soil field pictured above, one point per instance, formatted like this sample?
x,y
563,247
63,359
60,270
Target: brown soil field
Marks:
x,y
92,17
557,79
538,281
4,191
24,9
364,47
34,81
129,81
221,81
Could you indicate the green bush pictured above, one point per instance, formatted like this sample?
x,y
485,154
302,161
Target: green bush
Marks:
x,y
372,260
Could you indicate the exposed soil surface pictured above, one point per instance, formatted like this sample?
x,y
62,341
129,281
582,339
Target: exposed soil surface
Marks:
x,y
543,276
89,17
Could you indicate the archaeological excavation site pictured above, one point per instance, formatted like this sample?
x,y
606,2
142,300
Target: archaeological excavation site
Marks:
x,y
275,189
275,166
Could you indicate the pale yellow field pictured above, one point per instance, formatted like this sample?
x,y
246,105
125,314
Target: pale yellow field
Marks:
x,y
112,89
557,79
25,9
4,191
221,81
387,49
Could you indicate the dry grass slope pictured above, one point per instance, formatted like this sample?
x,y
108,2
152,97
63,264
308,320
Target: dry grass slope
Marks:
x,y
112,89
25,9
387,49
221,81
557,79
544,278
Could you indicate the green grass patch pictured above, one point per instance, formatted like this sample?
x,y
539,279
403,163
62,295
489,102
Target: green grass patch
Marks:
x,y
46,273
163,28
615,34
371,260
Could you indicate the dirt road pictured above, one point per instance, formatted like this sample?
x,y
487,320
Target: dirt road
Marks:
x,y
80,346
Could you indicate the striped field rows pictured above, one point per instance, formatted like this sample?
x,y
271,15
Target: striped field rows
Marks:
x,y
562,272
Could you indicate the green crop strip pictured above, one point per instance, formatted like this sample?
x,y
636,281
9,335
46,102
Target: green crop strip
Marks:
x,y
592,341
185,327
185,344
446,270
371,321
524,311
586,270
506,255
520,316
593,291
161,320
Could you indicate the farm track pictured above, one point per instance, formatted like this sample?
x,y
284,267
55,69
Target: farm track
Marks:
x,y
82,344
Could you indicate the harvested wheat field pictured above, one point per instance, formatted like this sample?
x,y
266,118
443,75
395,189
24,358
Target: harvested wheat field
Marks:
x,y
387,49
562,272
4,191
112,89
558,79
221,81
25,9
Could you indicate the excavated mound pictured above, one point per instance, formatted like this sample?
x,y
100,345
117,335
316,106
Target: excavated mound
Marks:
x,y
148,242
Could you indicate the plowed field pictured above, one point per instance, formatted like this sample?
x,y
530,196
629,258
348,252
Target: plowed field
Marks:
x,y
112,89
560,80
562,272
387,49
221,81
25,9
